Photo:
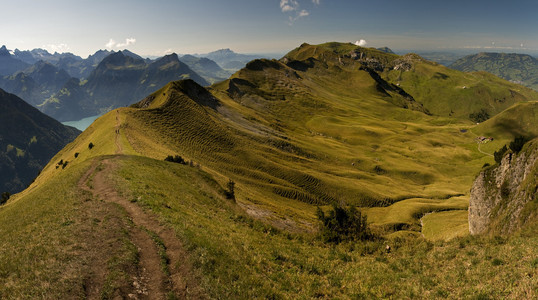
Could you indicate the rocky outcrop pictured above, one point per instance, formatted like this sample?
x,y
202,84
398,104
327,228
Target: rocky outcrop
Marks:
x,y
504,197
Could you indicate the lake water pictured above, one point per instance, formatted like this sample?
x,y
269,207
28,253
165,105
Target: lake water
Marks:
x,y
82,124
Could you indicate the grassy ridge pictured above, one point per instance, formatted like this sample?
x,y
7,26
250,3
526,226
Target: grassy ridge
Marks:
x,y
49,252
241,258
288,131
291,139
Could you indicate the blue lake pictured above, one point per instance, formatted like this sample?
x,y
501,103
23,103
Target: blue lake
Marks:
x,y
82,124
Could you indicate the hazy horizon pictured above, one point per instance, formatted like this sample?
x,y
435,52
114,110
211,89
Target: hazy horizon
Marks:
x,y
245,26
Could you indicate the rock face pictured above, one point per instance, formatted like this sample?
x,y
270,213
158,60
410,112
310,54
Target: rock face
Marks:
x,y
505,197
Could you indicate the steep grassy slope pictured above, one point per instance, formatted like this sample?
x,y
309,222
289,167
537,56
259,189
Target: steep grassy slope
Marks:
x,y
316,128
233,255
28,139
518,120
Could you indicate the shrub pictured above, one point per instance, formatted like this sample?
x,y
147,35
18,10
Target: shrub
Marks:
x,y
230,193
498,155
76,154
5,196
343,224
517,144
176,159
90,145
479,117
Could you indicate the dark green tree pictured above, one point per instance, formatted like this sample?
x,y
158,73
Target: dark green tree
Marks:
x,y
230,193
498,155
343,224
517,144
5,196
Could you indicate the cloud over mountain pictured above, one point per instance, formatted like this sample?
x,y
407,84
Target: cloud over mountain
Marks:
x,y
113,44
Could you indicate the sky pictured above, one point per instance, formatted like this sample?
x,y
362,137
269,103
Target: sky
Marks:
x,y
159,27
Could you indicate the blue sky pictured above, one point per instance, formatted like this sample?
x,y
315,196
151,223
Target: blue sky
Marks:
x,y
158,27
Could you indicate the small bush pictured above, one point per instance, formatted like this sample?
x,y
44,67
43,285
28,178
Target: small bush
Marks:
x,y
497,262
230,193
176,159
5,196
517,144
498,155
76,154
90,145
479,117
343,224
379,170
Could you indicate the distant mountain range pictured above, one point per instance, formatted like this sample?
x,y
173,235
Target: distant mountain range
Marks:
x,y
518,68
9,64
207,68
68,87
119,80
230,60
28,140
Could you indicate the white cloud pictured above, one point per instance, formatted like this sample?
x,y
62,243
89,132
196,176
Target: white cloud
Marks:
x,y
60,48
289,5
128,42
113,44
292,9
303,13
361,43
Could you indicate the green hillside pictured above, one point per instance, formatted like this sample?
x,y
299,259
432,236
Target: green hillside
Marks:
x,y
326,124
520,68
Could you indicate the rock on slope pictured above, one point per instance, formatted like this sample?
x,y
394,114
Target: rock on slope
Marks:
x,y
504,198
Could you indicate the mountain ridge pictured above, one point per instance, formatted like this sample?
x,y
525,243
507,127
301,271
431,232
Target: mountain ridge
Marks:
x,y
258,155
31,139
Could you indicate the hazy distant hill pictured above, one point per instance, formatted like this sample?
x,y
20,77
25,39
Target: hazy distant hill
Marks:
x,y
9,64
228,59
206,68
119,80
36,83
386,50
28,140
35,55
519,68
82,68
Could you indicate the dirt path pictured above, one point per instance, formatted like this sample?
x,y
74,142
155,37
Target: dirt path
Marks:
x,y
119,148
478,145
480,150
153,281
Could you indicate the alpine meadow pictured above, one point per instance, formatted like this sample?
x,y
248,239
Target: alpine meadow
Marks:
x,y
334,171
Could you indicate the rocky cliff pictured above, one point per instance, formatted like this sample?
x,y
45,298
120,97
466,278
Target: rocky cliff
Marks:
x,y
504,197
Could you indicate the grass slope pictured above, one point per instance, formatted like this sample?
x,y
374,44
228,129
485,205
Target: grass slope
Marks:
x,y
291,140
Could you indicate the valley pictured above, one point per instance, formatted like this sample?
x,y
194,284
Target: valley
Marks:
x,y
330,123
